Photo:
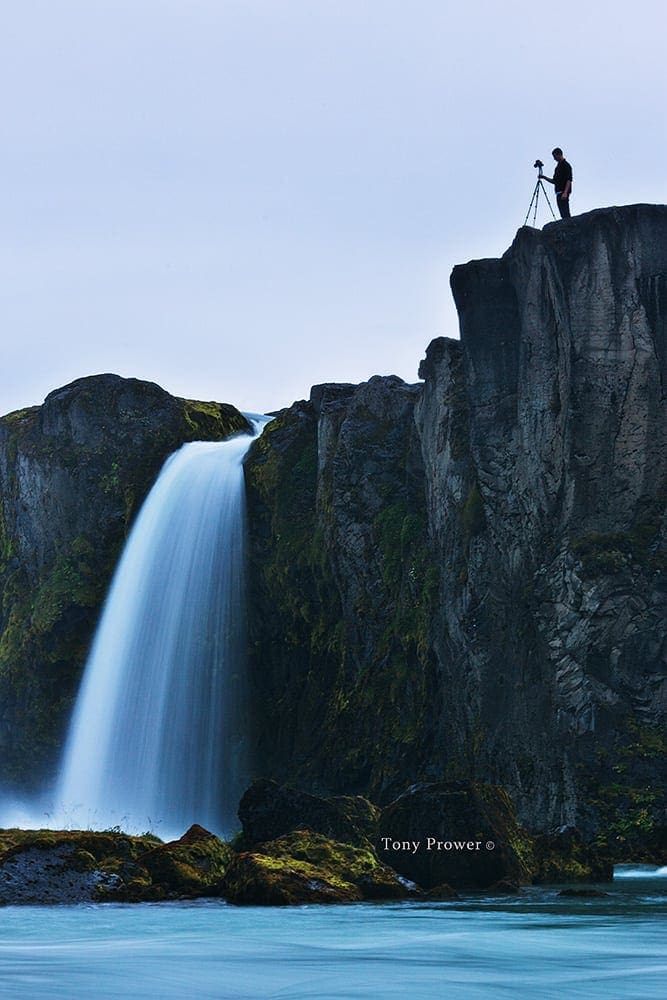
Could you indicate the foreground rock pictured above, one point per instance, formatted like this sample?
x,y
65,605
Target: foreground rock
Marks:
x,y
305,867
46,866
462,834
269,810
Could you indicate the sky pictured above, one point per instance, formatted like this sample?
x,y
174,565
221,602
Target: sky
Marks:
x,y
238,199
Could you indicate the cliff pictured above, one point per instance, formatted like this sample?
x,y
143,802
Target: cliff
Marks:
x,y
466,579
73,473
460,580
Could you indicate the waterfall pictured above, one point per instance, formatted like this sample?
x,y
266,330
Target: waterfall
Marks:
x,y
157,735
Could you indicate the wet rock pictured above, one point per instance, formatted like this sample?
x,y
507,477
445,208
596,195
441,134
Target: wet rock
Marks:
x,y
46,866
505,888
441,892
190,867
460,833
583,893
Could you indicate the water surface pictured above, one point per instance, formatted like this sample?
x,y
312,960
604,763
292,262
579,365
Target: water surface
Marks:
x,y
533,945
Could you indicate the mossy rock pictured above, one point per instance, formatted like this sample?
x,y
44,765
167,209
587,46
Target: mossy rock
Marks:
x,y
192,866
305,867
55,866
58,866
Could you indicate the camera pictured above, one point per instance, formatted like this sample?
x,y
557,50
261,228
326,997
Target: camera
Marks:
x,y
538,163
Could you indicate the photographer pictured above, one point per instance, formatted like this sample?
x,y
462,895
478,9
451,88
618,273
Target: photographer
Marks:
x,y
562,181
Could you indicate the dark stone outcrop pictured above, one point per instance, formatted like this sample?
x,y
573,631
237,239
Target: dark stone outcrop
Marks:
x,y
73,473
268,810
456,833
466,579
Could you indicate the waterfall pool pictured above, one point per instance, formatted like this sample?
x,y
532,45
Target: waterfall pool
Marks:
x,y
533,945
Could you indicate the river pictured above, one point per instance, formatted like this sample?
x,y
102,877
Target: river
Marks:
x,y
534,945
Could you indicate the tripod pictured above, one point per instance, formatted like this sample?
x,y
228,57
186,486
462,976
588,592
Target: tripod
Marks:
x,y
539,186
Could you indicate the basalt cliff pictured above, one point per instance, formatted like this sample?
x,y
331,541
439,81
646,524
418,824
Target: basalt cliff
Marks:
x,y
467,578
458,580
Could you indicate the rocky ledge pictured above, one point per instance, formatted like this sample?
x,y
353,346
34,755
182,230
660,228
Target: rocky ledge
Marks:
x,y
434,842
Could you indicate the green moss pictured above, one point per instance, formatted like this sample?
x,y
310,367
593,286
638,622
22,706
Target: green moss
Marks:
x,y
624,788
147,869
90,847
73,580
188,867
473,519
211,421
307,867
503,819
616,552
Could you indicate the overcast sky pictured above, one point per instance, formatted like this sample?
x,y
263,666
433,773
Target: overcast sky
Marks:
x,y
240,198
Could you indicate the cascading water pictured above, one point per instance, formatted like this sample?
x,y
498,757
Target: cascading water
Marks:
x,y
157,736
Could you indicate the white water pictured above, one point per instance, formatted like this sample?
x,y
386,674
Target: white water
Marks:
x,y
156,741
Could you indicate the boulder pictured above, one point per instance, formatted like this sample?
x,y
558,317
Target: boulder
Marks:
x,y
455,832
564,856
269,810
188,868
305,867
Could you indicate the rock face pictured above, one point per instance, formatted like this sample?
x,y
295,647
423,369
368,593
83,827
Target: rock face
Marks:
x,y
466,579
268,810
73,473
343,586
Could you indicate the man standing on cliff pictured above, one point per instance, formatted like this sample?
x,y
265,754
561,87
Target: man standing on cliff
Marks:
x,y
562,181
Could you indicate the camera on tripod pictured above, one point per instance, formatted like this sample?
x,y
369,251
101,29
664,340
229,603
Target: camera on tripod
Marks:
x,y
539,187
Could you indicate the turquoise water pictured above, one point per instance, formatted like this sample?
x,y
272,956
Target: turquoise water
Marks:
x,y
536,945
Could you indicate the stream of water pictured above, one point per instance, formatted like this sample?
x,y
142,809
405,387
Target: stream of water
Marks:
x,y
536,945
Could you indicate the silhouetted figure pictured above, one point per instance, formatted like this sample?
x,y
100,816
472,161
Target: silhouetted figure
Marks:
x,y
562,181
